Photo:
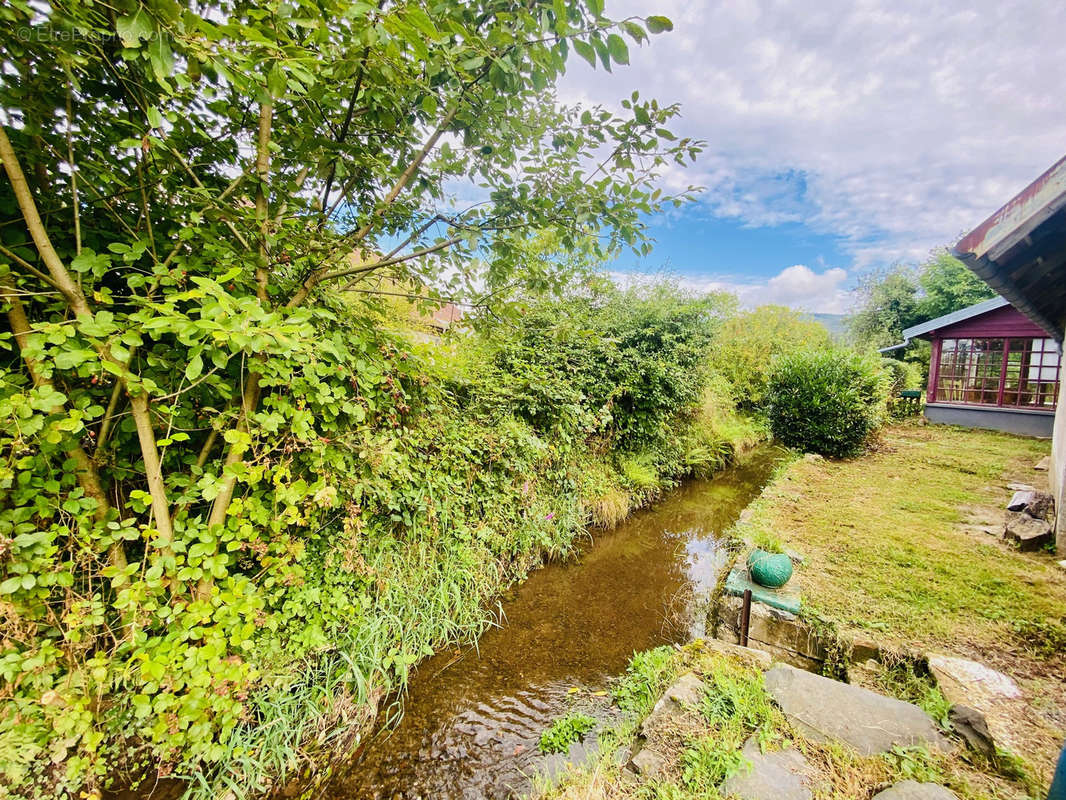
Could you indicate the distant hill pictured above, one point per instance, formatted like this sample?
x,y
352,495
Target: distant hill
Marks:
x,y
836,323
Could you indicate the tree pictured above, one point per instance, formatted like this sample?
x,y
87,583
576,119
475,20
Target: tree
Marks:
x,y
747,344
189,188
948,285
889,303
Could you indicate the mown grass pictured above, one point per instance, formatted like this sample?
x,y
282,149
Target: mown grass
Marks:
x,y
889,553
883,544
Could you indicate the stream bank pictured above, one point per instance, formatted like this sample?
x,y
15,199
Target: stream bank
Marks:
x,y
473,717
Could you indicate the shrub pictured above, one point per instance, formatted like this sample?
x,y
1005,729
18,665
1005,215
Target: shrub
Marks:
x,y
748,342
900,375
826,401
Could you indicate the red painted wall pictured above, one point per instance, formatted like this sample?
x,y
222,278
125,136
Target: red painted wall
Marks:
x,y
1005,321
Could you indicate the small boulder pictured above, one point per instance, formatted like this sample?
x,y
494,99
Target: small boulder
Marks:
x,y
967,683
971,725
649,763
1028,532
749,656
863,649
780,775
673,708
1043,464
912,790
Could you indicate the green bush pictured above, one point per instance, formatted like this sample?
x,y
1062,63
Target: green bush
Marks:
x,y
900,375
826,401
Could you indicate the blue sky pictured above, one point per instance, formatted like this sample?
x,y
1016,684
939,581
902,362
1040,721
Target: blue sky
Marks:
x,y
695,244
840,136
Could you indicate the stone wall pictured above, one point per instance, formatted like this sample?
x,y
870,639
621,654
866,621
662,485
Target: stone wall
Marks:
x,y
779,633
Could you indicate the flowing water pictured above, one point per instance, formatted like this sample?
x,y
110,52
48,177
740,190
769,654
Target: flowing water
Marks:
x,y
473,717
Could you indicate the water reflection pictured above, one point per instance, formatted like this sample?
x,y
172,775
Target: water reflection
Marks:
x,y
473,717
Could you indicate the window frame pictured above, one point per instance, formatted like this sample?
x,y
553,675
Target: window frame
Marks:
x,y
996,372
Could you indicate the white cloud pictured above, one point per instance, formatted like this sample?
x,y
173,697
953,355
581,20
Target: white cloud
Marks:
x,y
797,286
895,124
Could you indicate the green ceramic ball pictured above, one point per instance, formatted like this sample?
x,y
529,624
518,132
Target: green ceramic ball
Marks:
x,y
769,569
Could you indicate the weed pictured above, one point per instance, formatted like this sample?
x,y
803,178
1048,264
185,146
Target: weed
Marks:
x,y
646,676
913,763
900,677
709,760
765,540
564,731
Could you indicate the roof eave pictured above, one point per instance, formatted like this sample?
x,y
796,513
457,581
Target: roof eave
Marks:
x,y
990,274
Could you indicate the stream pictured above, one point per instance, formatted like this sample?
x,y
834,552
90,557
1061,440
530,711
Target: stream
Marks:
x,y
472,717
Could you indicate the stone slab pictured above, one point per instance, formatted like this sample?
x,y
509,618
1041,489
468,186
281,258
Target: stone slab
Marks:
x,y
782,634
824,709
786,598
780,775
912,790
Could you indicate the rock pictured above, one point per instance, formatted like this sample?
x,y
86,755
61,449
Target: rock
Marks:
x,y
863,649
759,659
1043,464
824,709
1019,500
796,557
1035,504
648,762
970,724
780,775
673,707
967,683
1029,533
1040,506
813,458
1021,487
1061,564
912,790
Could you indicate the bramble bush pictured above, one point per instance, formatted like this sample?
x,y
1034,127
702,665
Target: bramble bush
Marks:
x,y
826,401
233,508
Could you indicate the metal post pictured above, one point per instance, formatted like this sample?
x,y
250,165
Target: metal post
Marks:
x,y
745,618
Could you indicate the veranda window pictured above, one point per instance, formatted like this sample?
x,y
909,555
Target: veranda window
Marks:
x,y
1010,372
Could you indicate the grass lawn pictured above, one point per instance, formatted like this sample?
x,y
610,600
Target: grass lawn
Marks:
x,y
897,548
894,547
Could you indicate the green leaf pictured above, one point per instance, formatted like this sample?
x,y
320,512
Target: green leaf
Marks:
x,y
616,45
276,80
161,56
194,368
657,24
11,585
132,28
417,17
155,119
584,49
